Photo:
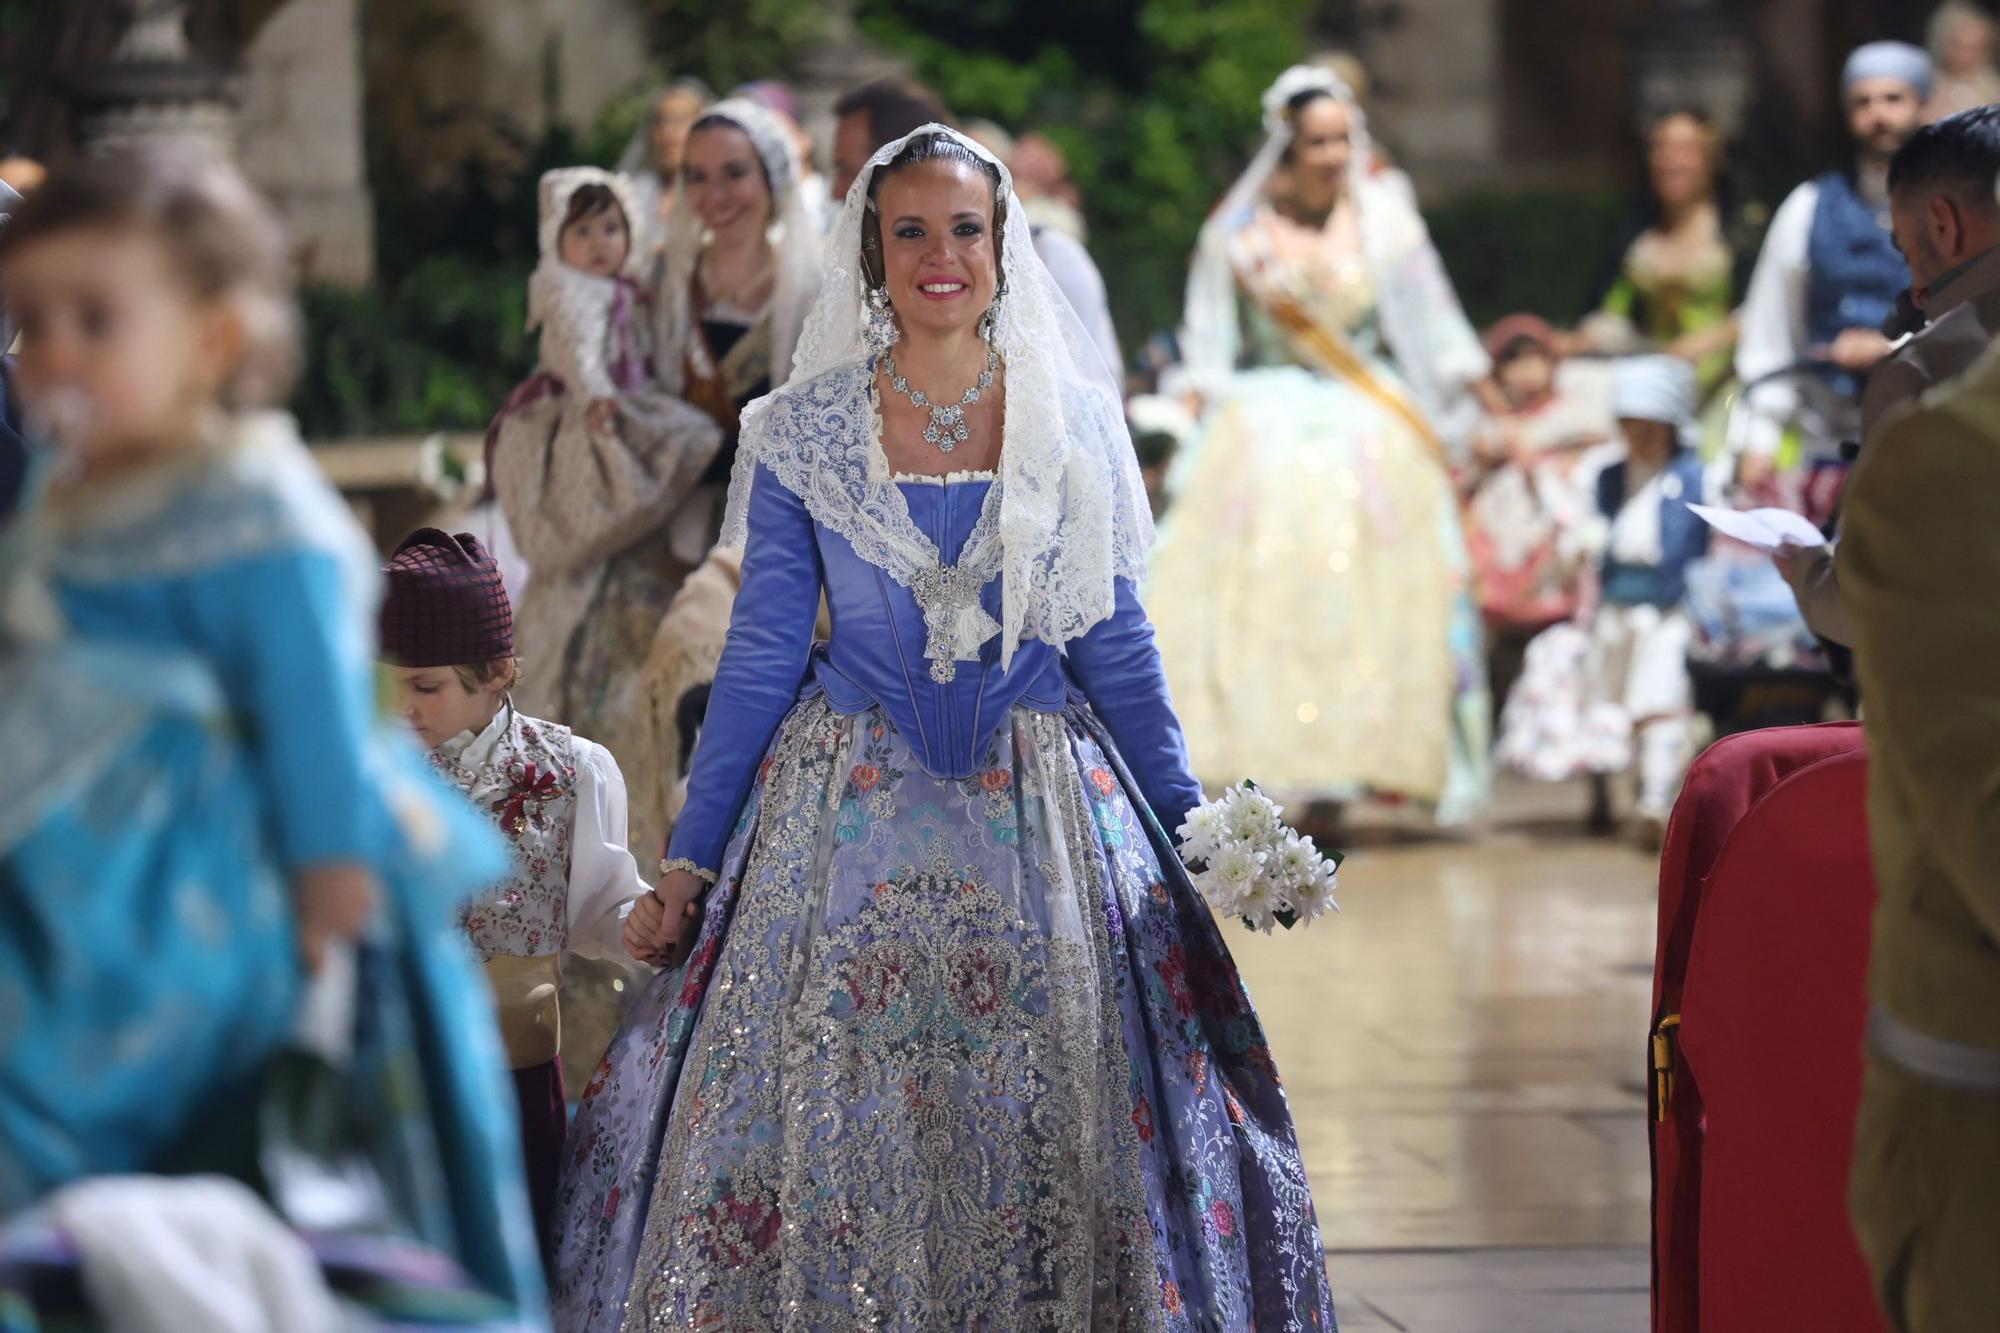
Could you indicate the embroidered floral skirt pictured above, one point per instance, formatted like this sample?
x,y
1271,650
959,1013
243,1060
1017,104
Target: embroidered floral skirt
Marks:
x,y
948,1054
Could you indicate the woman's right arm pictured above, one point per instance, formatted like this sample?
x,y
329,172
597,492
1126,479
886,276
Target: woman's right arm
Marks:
x,y
765,658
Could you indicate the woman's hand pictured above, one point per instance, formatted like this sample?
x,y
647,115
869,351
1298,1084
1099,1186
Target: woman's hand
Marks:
x,y
601,414
679,896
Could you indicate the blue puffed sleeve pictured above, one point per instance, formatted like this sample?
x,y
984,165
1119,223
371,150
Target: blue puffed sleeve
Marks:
x,y
1117,665
763,662
294,657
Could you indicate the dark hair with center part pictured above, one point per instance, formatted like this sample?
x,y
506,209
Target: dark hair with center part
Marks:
x,y
715,122
933,147
1295,107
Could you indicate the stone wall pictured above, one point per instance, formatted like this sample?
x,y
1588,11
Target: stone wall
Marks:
x,y
453,82
299,135
1436,75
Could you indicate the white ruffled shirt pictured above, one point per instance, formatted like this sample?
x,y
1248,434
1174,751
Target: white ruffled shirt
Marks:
x,y
604,880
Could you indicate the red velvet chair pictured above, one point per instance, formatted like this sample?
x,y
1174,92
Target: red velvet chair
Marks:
x,y
1765,892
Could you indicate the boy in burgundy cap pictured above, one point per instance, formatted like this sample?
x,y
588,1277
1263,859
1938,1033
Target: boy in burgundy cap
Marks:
x,y
448,635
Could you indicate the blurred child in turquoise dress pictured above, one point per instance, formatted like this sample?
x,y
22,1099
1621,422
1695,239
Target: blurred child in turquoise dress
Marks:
x,y
199,805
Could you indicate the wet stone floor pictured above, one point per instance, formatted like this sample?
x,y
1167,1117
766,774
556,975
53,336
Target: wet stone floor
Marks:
x,y
1464,1048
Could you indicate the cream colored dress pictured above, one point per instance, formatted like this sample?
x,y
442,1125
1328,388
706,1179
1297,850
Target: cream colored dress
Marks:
x,y
1310,589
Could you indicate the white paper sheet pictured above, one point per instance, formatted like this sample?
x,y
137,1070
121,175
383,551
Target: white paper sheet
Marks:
x,y
1764,529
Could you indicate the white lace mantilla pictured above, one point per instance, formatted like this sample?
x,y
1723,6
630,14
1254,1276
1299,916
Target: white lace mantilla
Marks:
x,y
821,440
1067,516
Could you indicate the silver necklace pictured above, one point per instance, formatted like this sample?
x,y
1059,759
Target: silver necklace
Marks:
x,y
947,429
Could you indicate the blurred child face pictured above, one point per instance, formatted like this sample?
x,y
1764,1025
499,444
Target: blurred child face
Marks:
x,y
1526,375
119,357
1648,441
438,706
596,243
725,181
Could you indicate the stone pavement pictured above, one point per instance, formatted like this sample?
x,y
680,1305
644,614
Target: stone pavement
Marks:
x,y
1464,1049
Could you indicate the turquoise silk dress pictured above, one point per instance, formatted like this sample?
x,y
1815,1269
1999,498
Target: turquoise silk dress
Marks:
x,y
187,706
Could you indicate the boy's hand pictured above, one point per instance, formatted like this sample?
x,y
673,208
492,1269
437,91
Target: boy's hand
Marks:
x,y
334,902
643,929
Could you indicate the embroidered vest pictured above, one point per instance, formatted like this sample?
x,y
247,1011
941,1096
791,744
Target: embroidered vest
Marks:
x,y
1855,271
528,787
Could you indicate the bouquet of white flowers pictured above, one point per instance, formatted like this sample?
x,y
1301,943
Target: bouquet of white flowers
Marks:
x,y
1248,864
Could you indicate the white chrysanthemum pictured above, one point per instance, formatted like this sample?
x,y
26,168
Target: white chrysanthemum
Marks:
x,y
1203,832
1295,864
1313,896
1253,817
1233,872
1260,904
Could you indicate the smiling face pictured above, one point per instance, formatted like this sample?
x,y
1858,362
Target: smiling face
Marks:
x,y
1681,161
725,180
940,260
1322,146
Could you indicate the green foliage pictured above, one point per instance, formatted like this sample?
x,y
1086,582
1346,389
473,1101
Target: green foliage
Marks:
x,y
1539,250
436,350
439,342
1154,101
728,42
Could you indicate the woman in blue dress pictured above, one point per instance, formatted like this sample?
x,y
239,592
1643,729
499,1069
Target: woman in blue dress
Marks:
x,y
954,1043
199,807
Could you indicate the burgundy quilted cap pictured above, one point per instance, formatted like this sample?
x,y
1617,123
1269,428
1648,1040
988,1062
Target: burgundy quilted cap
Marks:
x,y
445,604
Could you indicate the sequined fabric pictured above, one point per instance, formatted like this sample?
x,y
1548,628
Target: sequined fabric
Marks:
x,y
948,1054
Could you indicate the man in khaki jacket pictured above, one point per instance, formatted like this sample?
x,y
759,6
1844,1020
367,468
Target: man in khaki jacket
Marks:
x,y
1918,569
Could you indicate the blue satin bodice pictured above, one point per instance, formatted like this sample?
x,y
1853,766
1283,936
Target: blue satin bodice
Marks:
x,y
875,657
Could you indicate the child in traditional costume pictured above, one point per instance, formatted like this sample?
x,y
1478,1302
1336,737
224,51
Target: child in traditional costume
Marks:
x,y
1611,693
448,632
590,459
206,824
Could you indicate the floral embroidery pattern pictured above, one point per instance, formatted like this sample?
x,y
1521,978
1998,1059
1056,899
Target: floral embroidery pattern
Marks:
x,y
529,788
918,1078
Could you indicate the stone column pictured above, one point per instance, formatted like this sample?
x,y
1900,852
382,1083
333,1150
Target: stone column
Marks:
x,y
151,85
